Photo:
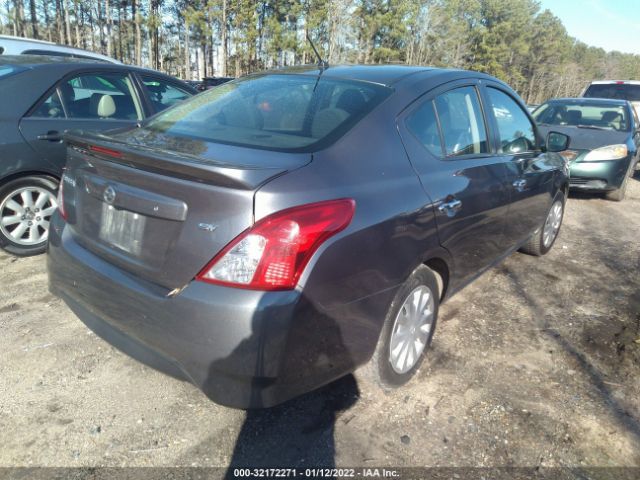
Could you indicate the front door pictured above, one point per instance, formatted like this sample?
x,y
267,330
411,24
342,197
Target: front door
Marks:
x,y
447,140
530,176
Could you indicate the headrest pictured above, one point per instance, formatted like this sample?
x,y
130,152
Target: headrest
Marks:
x,y
102,106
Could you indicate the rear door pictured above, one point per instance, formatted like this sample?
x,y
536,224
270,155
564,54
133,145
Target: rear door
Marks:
x,y
530,176
447,139
91,101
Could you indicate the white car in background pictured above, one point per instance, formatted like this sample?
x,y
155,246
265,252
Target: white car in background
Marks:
x,y
619,89
25,46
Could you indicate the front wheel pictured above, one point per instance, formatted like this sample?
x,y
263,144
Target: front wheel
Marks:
x,y
618,194
26,207
408,329
542,241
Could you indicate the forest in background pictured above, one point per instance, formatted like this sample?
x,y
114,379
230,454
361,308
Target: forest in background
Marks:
x,y
515,40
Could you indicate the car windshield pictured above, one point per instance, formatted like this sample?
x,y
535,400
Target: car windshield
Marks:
x,y
295,113
622,91
601,116
8,70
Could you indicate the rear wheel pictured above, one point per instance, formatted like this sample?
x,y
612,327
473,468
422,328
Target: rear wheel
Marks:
x,y
542,241
26,207
408,329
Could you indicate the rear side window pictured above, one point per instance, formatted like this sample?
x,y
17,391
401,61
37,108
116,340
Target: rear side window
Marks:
x,y
424,126
514,127
620,91
100,96
273,112
162,93
461,121
50,108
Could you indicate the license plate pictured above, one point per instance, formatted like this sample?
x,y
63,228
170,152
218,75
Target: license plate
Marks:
x,y
122,229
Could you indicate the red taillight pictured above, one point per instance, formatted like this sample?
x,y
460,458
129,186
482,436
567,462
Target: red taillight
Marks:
x,y
620,83
105,151
60,199
272,254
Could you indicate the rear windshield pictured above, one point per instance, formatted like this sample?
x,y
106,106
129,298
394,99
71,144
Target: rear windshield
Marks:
x,y
610,117
293,113
614,90
8,70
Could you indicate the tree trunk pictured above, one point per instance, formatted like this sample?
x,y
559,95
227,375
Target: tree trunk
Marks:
x,y
223,61
107,7
34,18
187,56
76,10
47,26
138,32
67,23
59,22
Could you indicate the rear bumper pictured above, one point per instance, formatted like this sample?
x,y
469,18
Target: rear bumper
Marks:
x,y
601,176
242,348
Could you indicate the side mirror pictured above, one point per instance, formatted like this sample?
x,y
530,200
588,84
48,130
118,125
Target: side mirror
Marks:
x,y
557,142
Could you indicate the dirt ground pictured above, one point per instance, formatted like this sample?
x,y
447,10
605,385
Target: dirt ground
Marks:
x,y
534,364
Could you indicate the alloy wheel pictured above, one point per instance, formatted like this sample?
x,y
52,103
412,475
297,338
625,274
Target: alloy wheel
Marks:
x,y
25,215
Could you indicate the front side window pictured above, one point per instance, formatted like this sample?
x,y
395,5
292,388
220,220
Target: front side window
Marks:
x,y
461,121
514,127
161,93
100,96
274,112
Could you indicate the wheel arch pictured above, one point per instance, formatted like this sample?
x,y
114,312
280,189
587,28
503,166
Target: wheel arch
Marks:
x,y
29,173
441,268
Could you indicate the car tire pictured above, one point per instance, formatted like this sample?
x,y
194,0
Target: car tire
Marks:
x,y
395,367
618,194
542,241
26,206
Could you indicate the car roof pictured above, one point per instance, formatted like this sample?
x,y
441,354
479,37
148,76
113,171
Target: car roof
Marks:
x,y
19,45
381,74
68,63
589,100
615,82
35,60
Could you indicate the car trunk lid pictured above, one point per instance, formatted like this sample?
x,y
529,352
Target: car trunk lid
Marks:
x,y
161,208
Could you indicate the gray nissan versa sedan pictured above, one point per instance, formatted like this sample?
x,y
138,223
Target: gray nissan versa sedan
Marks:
x,y
274,233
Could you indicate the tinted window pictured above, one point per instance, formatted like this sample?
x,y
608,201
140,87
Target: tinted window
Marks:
x,y
424,125
614,90
50,108
613,117
163,94
461,121
100,96
514,127
275,112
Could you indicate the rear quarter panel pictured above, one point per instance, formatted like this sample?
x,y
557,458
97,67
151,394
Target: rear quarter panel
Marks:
x,y
352,279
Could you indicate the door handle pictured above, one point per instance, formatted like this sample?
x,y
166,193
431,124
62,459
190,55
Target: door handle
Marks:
x,y
51,136
520,184
451,207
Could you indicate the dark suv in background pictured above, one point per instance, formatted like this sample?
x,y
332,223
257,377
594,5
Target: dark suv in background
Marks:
x,y
44,96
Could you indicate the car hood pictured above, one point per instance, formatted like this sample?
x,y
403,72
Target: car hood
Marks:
x,y
586,138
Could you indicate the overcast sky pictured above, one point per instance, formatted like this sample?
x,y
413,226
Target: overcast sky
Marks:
x,y
609,24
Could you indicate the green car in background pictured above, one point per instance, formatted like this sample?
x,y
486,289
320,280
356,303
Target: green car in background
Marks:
x,y
605,141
